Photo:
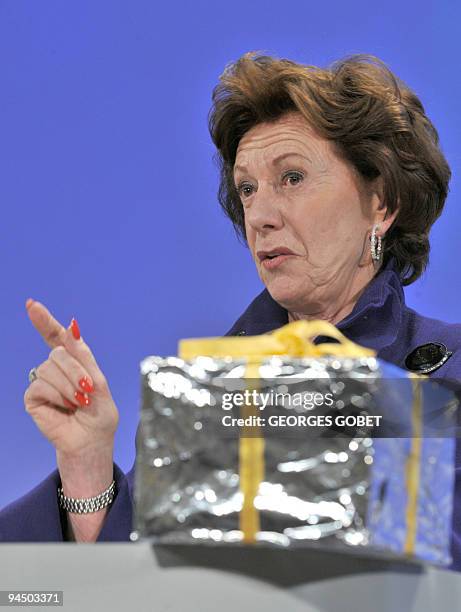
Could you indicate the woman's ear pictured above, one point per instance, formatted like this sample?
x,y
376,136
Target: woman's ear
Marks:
x,y
381,212
389,218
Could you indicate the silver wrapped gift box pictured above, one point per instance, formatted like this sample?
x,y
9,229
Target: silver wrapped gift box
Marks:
x,y
306,473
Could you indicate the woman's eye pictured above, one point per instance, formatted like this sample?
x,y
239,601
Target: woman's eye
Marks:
x,y
244,189
297,177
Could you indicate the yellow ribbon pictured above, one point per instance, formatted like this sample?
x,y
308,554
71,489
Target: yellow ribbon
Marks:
x,y
251,464
413,465
294,340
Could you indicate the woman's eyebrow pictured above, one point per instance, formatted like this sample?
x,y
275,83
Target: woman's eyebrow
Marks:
x,y
276,160
280,158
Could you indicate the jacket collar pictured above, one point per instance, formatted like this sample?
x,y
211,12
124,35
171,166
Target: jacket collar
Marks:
x,y
374,322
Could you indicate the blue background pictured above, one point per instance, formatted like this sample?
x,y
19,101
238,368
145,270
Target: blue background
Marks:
x,y
108,188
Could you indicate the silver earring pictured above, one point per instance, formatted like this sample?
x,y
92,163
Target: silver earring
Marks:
x,y
376,243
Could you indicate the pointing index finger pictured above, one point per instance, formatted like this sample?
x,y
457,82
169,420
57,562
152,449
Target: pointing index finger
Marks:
x,y
47,326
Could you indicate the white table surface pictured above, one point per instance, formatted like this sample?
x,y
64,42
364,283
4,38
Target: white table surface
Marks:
x,y
135,577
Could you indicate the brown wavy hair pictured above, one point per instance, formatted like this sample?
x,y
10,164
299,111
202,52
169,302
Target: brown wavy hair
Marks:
x,y
375,121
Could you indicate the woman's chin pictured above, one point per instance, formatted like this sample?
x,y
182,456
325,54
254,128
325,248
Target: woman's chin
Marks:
x,y
287,293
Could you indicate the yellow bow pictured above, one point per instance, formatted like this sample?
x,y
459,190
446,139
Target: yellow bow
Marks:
x,y
294,339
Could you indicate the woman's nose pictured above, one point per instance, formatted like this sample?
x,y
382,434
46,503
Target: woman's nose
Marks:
x,y
263,212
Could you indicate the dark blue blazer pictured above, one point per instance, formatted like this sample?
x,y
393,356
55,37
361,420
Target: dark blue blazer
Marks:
x,y
380,320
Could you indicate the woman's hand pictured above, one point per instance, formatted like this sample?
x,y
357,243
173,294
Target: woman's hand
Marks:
x,y
70,400
71,404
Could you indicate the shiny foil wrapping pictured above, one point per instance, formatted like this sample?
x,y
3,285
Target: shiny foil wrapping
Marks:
x,y
339,492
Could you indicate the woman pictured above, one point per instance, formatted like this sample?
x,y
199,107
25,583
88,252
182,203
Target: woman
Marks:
x,y
334,179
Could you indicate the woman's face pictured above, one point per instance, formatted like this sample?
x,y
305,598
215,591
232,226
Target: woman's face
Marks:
x,y
307,220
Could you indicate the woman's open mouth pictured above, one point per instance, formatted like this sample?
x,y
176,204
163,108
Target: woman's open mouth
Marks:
x,y
274,258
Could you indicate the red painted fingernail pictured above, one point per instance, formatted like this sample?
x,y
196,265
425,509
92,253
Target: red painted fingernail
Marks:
x,y
68,404
86,384
75,329
82,398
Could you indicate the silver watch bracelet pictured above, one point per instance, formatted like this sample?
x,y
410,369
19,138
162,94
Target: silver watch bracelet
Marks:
x,y
90,504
